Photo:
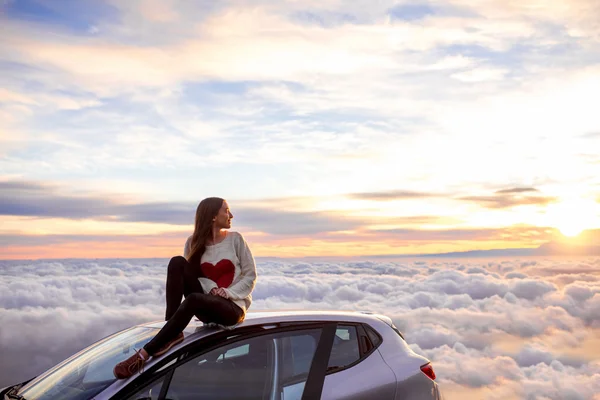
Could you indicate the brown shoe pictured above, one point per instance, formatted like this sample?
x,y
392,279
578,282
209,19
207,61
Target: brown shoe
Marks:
x,y
168,346
127,368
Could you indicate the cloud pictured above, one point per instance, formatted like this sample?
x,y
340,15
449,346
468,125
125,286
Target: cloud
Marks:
x,y
591,312
44,240
531,289
392,195
434,337
278,222
324,100
591,135
515,275
504,198
483,333
457,234
35,209
110,61
43,200
508,198
581,292
480,234
516,190
423,220
530,356
154,70
73,303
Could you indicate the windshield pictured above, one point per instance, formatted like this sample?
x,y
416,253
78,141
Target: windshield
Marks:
x,y
90,371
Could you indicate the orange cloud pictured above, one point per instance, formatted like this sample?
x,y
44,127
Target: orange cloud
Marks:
x,y
360,243
95,247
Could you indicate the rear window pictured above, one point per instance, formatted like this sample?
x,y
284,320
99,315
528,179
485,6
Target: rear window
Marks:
x,y
373,336
345,350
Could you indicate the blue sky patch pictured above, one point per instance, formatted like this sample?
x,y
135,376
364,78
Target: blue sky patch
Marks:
x,y
216,93
76,15
324,19
418,11
199,89
411,12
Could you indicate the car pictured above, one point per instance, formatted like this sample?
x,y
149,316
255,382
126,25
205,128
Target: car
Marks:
x,y
271,355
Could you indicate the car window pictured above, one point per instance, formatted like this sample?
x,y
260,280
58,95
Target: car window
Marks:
x,y
237,352
150,392
89,372
345,349
296,356
268,366
374,338
239,370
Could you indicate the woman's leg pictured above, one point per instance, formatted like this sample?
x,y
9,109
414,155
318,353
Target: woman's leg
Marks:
x,y
208,308
182,280
191,284
224,312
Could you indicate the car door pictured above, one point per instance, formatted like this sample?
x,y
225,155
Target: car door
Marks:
x,y
356,370
275,364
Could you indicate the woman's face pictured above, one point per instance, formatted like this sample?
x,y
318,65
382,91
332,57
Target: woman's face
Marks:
x,y
223,218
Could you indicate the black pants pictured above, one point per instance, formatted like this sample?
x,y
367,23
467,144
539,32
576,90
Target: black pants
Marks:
x,y
182,280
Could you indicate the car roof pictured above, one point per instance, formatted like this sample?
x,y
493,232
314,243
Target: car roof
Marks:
x,y
265,317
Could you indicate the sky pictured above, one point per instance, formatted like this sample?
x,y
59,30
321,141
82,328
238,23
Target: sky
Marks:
x,y
332,128
516,328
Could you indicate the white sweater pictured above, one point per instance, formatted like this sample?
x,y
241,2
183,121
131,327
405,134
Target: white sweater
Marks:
x,y
228,264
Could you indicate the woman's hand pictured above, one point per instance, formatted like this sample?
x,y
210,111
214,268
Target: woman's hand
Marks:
x,y
219,292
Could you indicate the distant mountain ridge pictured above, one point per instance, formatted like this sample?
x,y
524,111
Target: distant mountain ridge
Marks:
x,y
548,249
585,244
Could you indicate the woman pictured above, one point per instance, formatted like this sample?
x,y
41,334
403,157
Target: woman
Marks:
x,y
216,276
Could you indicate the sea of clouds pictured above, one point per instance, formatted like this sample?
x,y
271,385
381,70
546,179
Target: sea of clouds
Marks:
x,y
521,328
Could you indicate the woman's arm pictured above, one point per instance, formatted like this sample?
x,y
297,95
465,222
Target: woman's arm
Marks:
x,y
187,247
247,279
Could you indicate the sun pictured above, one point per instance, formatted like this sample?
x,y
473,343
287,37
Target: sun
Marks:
x,y
571,229
573,216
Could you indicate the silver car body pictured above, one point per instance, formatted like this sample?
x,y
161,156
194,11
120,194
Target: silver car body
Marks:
x,y
391,371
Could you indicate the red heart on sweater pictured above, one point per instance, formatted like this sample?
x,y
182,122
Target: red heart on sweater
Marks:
x,y
222,273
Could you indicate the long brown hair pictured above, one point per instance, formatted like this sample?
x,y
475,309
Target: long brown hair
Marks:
x,y
206,211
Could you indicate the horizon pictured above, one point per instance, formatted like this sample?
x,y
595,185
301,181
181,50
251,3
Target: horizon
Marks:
x,y
399,128
502,253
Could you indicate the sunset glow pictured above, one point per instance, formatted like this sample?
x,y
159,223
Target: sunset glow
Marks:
x,y
573,216
330,129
